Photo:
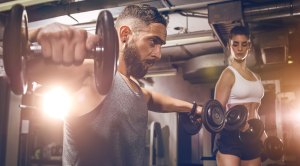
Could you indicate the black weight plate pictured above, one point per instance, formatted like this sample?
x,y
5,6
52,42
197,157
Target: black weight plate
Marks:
x,y
188,126
273,148
213,116
105,61
236,117
15,40
253,133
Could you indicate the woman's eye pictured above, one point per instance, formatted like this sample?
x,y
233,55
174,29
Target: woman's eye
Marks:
x,y
237,44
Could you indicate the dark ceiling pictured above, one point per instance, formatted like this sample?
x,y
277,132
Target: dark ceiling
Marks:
x,y
274,25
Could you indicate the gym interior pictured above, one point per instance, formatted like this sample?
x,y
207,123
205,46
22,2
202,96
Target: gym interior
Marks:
x,y
192,60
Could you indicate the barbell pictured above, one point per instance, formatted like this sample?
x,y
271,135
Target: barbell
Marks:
x,y
17,49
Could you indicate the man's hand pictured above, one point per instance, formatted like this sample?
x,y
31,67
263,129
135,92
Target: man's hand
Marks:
x,y
199,113
61,44
65,44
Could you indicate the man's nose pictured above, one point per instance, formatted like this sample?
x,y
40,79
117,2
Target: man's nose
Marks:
x,y
157,51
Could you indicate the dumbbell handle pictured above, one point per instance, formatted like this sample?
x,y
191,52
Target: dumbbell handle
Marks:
x,y
37,49
192,114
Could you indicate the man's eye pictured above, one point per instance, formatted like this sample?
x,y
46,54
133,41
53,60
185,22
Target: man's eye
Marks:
x,y
152,42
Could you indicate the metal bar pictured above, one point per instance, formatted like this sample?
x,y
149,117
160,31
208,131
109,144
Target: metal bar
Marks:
x,y
78,7
75,7
190,6
7,5
272,11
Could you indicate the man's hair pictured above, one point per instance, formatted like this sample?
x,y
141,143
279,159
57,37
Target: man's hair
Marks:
x,y
239,30
144,13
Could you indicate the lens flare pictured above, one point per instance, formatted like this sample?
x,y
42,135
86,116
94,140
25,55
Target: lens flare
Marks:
x,y
56,102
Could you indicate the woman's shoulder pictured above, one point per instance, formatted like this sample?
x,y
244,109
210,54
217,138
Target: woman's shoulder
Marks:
x,y
227,76
228,72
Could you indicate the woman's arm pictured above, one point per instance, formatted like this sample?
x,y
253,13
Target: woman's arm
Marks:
x,y
223,86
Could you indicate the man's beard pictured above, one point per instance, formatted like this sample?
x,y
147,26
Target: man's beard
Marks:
x,y
134,65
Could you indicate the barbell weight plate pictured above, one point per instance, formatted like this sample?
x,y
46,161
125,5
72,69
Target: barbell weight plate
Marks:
x,y
213,116
105,61
15,40
274,148
253,133
188,126
236,117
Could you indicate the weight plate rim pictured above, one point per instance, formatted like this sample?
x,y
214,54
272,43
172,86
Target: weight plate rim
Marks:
x,y
209,127
108,58
17,80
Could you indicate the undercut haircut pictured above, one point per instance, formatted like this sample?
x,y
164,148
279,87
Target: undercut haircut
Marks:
x,y
144,14
239,30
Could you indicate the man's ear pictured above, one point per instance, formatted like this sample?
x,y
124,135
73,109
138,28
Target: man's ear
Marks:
x,y
125,31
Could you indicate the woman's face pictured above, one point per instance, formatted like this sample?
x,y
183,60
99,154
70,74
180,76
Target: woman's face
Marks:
x,y
239,47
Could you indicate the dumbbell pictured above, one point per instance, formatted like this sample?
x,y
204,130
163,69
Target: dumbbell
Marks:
x,y
253,133
213,118
236,117
16,50
273,148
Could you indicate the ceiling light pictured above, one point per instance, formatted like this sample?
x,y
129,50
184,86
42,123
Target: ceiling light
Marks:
x,y
186,41
161,72
190,38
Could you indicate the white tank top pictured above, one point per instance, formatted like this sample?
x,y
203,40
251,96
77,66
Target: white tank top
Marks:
x,y
245,91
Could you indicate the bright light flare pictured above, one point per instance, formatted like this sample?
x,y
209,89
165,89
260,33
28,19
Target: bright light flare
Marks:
x,y
295,116
56,103
294,113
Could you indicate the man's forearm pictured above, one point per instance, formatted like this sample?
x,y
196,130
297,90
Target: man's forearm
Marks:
x,y
166,104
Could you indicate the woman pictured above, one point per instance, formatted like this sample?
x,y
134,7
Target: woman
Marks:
x,y
238,85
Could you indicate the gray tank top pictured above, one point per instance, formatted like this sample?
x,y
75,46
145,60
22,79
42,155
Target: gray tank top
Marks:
x,y
112,134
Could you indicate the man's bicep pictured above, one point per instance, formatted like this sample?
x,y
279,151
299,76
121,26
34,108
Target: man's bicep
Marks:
x,y
153,100
147,95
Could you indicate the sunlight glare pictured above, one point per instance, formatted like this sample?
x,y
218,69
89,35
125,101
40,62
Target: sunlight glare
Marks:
x,y
56,102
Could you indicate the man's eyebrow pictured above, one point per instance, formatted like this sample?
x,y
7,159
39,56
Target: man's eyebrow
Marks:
x,y
158,40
